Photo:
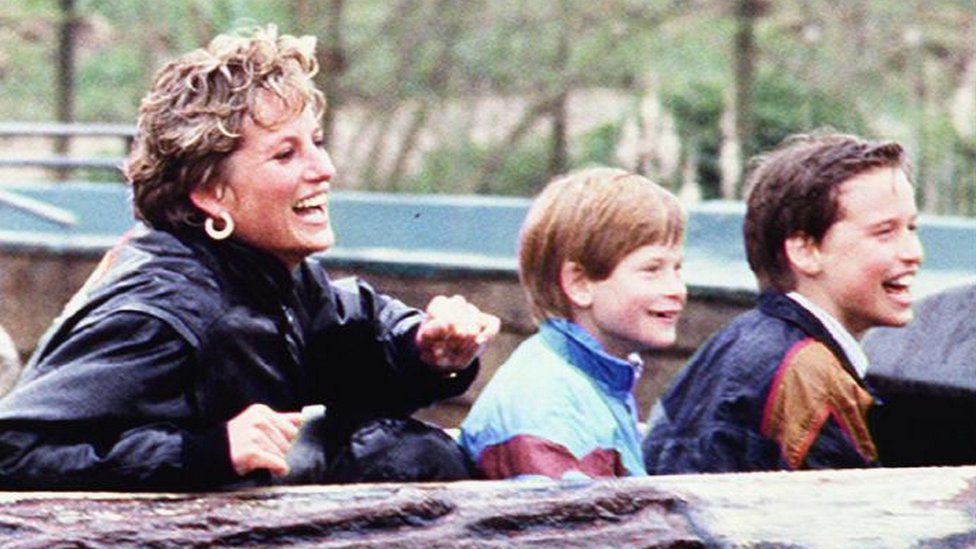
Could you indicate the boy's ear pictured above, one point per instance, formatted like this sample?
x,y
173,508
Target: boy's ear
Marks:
x,y
803,253
575,284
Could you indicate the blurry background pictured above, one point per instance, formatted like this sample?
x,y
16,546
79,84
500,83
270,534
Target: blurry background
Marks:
x,y
496,96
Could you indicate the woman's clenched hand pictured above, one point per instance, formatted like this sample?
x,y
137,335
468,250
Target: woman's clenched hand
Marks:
x,y
260,438
454,333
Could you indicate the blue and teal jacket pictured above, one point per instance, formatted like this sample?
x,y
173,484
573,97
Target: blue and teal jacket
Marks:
x,y
559,407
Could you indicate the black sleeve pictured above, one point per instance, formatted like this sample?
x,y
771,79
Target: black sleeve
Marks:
x,y
362,354
110,408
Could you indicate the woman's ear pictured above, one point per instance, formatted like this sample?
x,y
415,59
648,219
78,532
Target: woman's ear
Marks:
x,y
575,284
209,199
803,253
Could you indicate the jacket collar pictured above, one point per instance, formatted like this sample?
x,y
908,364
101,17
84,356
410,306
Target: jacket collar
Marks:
x,y
583,351
837,330
263,274
780,306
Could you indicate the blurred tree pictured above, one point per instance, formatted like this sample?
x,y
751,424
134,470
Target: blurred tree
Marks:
x,y
332,59
325,20
697,112
559,157
775,114
65,98
744,59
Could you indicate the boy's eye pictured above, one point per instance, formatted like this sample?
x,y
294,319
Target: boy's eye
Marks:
x,y
284,154
884,230
319,142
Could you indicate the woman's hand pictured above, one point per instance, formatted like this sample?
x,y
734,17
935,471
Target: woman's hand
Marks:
x,y
260,437
454,333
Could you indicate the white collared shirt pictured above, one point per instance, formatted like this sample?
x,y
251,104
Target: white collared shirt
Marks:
x,y
638,363
847,342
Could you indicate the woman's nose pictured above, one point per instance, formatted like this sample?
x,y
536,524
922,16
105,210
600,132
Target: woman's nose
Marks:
x,y
320,166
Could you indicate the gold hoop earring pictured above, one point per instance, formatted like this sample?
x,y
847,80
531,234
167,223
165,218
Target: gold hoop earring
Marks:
x,y
219,234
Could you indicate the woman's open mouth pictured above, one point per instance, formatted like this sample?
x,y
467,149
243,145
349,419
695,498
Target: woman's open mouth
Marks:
x,y
313,208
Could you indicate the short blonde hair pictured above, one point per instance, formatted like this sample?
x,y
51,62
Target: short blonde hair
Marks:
x,y
594,217
191,119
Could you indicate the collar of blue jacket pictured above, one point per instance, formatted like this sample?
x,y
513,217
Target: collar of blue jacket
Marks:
x,y
583,351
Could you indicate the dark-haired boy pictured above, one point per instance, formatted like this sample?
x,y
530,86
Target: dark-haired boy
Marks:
x,y
830,234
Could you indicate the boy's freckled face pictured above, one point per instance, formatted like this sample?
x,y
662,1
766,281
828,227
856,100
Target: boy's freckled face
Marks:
x,y
870,256
637,306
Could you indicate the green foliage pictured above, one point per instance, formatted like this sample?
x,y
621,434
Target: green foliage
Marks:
x,y
861,67
697,111
682,56
446,164
104,90
781,106
945,169
522,172
598,145
26,92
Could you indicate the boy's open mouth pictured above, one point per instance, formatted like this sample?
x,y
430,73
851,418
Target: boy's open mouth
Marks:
x,y
899,285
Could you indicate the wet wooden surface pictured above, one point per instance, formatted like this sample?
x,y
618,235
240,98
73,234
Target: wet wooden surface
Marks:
x,y
924,507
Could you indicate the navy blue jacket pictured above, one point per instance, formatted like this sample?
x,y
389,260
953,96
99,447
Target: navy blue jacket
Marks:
x,y
174,335
771,390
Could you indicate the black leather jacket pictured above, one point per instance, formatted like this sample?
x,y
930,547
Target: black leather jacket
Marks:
x,y
172,336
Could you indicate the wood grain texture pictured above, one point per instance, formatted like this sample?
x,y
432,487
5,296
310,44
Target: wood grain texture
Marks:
x,y
924,507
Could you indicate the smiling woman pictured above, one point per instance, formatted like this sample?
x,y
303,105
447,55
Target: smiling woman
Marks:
x,y
187,357
275,184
